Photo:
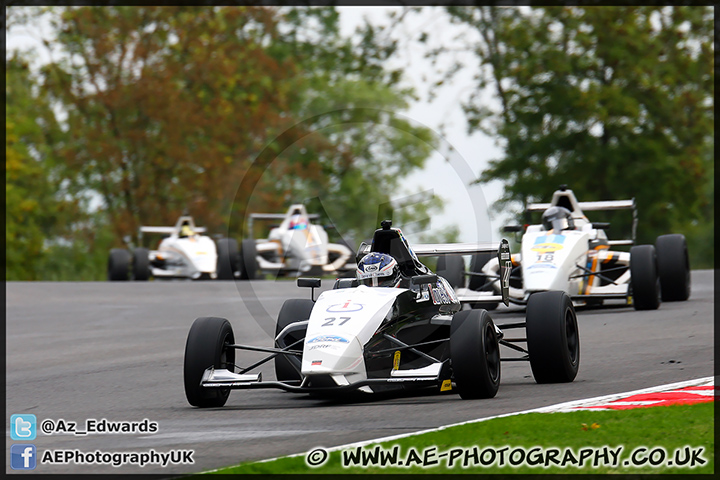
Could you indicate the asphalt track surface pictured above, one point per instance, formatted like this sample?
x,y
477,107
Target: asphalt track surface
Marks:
x,y
78,351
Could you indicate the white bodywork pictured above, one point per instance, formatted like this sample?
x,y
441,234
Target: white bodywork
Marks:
x,y
340,324
565,260
184,256
298,250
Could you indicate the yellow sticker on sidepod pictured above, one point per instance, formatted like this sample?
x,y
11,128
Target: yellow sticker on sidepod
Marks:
x,y
396,360
546,247
446,385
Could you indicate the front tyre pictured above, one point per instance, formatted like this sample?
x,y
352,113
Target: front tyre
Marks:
x,y
248,260
673,265
644,279
287,367
452,269
553,339
118,265
141,264
227,258
207,346
475,354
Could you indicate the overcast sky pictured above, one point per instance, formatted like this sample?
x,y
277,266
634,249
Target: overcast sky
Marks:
x,y
472,151
466,206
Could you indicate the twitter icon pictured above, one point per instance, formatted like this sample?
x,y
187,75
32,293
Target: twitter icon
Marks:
x,y
23,427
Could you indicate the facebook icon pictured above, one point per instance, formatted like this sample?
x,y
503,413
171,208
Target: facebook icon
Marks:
x,y
23,457
23,427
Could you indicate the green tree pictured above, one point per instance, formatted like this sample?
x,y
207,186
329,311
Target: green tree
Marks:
x,y
173,108
348,102
616,102
36,207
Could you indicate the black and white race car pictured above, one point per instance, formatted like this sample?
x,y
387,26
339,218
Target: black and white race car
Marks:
x,y
396,325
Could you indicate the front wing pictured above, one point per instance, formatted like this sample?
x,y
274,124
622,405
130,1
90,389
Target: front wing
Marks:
x,y
223,378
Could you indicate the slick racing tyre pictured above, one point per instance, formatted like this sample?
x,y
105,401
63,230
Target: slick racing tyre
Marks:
x,y
248,260
553,339
475,354
141,264
287,367
480,282
118,264
452,269
227,258
673,265
644,279
207,347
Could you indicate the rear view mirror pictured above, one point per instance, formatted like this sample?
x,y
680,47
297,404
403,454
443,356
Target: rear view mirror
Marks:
x,y
512,228
601,225
309,282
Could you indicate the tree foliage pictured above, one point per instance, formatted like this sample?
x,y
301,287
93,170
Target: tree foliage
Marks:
x,y
615,102
36,207
166,109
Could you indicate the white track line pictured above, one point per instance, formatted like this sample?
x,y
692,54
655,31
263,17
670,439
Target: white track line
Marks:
x,y
560,407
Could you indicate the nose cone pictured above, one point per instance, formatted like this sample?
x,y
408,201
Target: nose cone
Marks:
x,y
327,354
201,252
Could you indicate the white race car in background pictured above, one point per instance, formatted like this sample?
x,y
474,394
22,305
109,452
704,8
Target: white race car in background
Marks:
x,y
572,254
184,253
295,247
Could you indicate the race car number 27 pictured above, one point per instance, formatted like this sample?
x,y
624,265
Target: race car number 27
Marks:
x,y
331,321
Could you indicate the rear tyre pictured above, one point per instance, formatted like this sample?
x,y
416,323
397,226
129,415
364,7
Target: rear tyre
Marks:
x,y
475,354
553,339
227,258
287,367
480,283
141,264
248,260
207,347
673,265
452,268
644,279
119,265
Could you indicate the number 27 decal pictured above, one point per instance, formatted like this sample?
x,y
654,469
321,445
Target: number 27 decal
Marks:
x,y
330,321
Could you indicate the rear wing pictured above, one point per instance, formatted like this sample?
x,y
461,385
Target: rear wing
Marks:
x,y
502,249
272,216
167,230
442,249
503,255
600,205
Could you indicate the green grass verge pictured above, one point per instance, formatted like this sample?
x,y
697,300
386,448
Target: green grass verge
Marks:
x,y
680,428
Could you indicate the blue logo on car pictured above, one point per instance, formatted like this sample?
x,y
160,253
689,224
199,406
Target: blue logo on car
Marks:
x,y
328,338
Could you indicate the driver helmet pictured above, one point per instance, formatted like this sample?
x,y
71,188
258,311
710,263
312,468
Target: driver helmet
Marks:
x,y
378,270
558,219
298,222
186,231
